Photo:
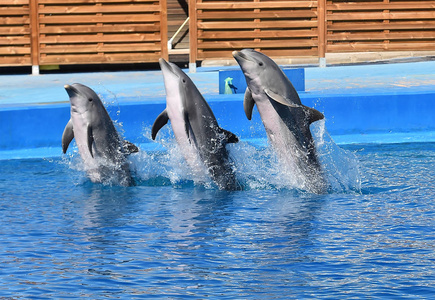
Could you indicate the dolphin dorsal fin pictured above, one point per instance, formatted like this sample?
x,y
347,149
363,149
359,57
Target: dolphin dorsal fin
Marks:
x,y
230,137
129,147
313,114
67,136
160,121
90,139
248,103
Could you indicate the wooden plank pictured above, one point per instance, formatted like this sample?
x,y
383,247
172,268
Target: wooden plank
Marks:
x,y
145,18
99,9
271,34
291,43
14,40
66,2
105,28
363,47
15,50
256,5
12,11
95,38
352,16
14,2
15,60
354,6
406,35
14,30
96,48
271,52
257,25
225,15
15,21
96,58
416,25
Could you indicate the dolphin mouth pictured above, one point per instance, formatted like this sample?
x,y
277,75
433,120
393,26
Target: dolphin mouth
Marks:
x,y
239,55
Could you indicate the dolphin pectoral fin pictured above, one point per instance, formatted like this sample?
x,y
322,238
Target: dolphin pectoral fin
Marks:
x,y
313,114
278,98
248,104
129,147
160,121
90,140
230,137
67,136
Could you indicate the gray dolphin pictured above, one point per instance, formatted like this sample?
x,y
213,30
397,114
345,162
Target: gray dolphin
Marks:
x,y
201,140
286,120
98,142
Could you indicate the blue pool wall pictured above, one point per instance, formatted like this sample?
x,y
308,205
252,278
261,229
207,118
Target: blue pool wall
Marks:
x,y
358,115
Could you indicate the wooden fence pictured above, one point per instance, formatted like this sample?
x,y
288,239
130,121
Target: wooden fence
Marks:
x,y
310,28
45,32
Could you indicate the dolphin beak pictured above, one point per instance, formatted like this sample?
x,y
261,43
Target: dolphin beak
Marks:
x,y
164,65
70,90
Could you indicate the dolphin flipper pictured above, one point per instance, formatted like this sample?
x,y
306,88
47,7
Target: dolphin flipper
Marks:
x,y
229,136
313,115
160,121
90,139
67,136
248,104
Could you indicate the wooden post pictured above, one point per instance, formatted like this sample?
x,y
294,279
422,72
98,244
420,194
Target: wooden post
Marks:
x,y
193,36
164,28
34,30
321,12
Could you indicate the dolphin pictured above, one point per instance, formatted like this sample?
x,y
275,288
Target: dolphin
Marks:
x,y
196,130
286,120
99,144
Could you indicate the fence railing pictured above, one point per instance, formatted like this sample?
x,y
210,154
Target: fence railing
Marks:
x,y
46,32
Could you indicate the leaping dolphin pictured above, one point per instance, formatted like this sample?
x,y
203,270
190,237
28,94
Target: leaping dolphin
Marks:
x,y
286,120
201,140
98,142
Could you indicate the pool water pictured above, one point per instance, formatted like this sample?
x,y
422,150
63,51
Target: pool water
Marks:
x,y
372,236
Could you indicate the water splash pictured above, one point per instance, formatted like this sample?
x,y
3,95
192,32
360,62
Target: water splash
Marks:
x,y
340,167
255,162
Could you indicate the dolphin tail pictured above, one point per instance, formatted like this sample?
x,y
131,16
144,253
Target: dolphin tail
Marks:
x,y
67,136
160,121
248,104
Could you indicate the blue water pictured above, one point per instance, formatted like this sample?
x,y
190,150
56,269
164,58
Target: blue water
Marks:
x,y
64,237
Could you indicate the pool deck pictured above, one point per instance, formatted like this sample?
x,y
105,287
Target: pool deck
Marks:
x,y
365,103
19,90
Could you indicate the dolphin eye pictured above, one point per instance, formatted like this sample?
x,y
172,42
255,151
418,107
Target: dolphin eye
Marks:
x,y
183,80
90,99
260,63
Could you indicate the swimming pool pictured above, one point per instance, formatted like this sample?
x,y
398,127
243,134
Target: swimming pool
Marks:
x,y
63,237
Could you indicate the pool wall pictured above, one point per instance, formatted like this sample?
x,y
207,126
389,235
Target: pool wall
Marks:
x,y
392,116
